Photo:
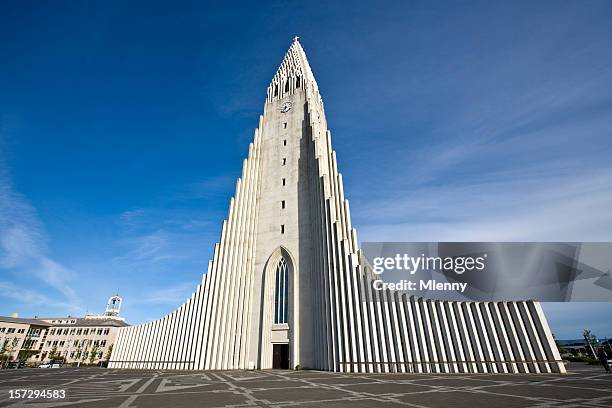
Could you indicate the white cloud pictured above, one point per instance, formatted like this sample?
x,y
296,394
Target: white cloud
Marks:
x,y
9,290
130,218
23,250
153,248
169,295
531,209
158,238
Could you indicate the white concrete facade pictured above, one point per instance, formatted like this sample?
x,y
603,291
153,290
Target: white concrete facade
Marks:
x,y
289,205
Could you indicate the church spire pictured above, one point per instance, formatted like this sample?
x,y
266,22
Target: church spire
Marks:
x,y
293,74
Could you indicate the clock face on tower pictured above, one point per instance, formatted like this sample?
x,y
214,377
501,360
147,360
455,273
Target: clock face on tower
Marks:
x,y
285,107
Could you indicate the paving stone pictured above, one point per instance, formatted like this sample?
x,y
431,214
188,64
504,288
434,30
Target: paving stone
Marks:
x,y
100,388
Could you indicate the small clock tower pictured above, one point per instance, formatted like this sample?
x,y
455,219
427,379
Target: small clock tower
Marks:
x,y
113,306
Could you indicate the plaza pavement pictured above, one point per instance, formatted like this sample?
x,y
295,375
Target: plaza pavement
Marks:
x,y
583,386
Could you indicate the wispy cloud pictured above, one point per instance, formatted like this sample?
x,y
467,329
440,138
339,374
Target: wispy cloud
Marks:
x,y
23,250
21,294
149,248
518,148
169,295
213,187
179,226
130,218
553,208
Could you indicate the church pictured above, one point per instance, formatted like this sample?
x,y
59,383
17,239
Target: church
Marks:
x,y
289,288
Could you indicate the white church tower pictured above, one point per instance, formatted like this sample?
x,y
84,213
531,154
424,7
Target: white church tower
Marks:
x,y
288,287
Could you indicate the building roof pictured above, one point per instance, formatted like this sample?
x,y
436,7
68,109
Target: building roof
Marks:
x,y
98,321
21,320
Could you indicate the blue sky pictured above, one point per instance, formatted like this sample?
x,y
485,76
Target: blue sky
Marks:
x,y
123,126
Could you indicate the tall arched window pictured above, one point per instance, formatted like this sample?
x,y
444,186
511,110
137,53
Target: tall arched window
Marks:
x,y
281,292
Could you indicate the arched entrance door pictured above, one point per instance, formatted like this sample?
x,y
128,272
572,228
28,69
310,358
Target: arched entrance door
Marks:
x,y
278,315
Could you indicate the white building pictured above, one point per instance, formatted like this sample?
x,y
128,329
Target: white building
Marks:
x,y
288,287
20,338
85,340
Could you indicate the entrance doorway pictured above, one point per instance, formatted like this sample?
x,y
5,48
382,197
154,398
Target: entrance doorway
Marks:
x,y
280,356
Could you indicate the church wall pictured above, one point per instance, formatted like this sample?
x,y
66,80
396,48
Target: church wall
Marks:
x,y
336,320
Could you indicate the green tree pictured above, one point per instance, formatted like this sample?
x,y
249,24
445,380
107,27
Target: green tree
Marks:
x,y
53,354
78,349
11,347
109,352
93,354
4,354
84,354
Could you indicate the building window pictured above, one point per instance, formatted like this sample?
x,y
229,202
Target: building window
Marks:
x,y
285,142
284,161
283,204
282,229
297,82
285,125
284,181
106,331
281,292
